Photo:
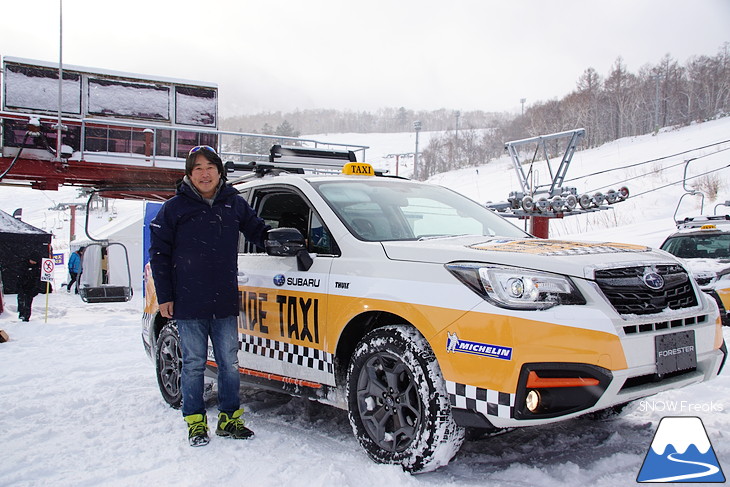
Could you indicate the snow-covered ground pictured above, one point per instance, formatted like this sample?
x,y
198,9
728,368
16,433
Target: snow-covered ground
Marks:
x,y
79,404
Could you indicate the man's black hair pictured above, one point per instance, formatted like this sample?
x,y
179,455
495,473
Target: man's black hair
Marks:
x,y
210,156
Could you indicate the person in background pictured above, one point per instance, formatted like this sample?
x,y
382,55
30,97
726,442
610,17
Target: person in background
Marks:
x,y
29,276
75,268
104,266
193,256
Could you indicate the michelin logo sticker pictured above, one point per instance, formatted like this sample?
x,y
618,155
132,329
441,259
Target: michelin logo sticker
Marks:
x,y
453,344
681,452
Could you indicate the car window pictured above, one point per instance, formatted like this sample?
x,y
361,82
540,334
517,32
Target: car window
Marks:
x,y
699,246
283,207
378,210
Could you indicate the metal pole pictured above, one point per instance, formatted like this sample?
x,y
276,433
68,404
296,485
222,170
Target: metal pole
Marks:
x,y
60,78
417,127
656,103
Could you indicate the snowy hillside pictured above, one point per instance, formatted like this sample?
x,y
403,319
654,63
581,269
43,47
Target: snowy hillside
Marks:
x,y
646,217
81,407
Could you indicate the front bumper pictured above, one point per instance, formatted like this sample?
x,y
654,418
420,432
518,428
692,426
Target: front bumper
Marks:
x,y
601,389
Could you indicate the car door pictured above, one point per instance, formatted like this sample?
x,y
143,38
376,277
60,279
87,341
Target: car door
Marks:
x,y
282,315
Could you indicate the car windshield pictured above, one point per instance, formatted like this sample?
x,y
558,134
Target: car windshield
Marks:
x,y
699,246
387,210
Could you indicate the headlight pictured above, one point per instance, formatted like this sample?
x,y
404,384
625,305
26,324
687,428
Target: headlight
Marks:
x,y
723,275
516,288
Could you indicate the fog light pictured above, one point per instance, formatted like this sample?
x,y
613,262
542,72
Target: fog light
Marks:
x,y
532,401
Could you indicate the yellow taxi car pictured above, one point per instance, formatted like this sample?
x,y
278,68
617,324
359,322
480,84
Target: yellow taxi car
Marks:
x,y
422,313
703,244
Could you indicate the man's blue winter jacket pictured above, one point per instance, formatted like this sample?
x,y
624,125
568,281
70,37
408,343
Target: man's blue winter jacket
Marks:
x,y
194,250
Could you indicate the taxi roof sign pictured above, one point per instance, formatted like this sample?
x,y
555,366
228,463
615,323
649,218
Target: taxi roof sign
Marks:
x,y
358,169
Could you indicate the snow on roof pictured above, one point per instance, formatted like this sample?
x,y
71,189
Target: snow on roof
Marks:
x,y
108,72
9,224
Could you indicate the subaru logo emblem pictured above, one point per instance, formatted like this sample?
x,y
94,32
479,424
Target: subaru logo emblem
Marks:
x,y
653,280
279,279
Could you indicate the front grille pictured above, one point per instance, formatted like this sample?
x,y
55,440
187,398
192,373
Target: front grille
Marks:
x,y
652,379
629,295
664,325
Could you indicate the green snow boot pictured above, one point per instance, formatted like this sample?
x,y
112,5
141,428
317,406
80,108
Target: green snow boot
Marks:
x,y
197,429
232,426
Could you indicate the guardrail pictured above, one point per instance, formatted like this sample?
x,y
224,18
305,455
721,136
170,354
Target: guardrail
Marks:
x,y
114,138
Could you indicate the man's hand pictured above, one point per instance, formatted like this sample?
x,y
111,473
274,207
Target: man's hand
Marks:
x,y
166,309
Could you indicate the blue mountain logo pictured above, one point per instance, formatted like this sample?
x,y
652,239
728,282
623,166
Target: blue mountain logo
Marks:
x,y
681,452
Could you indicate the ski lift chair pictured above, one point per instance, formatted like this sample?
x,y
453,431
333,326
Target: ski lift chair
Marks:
x,y
106,277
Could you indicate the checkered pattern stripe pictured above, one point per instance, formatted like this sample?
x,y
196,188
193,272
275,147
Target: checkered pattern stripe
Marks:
x,y
485,401
287,352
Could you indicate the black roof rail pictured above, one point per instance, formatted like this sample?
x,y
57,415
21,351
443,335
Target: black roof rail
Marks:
x,y
697,221
285,153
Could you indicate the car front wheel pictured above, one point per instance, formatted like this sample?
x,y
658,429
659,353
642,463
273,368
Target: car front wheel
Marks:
x,y
397,401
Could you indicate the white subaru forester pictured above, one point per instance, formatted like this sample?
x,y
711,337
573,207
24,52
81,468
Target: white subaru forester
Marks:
x,y
423,313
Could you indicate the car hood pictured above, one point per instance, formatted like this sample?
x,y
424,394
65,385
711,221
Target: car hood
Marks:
x,y
560,256
707,267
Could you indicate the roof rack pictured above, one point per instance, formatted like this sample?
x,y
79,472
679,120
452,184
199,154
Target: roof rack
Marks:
x,y
296,160
698,221
283,153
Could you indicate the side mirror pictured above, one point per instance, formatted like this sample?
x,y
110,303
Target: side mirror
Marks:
x,y
289,242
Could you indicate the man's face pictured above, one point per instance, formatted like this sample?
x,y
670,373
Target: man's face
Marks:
x,y
205,176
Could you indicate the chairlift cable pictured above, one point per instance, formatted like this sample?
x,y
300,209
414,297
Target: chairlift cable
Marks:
x,y
678,182
15,159
651,160
660,170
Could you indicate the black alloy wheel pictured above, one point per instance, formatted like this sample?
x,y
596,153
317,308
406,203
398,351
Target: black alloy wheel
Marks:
x,y
397,401
168,360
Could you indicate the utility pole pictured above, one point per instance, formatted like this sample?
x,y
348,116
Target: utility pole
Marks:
x,y
522,101
59,129
417,128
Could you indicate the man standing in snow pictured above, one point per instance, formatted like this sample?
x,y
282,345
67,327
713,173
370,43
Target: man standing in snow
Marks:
x,y
29,277
193,255
75,268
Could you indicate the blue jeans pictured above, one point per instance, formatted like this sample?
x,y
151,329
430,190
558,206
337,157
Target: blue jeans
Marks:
x,y
223,333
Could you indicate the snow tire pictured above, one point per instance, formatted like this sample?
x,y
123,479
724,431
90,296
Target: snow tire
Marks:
x,y
397,401
168,365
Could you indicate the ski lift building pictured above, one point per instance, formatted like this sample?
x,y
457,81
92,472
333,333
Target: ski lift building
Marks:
x,y
111,121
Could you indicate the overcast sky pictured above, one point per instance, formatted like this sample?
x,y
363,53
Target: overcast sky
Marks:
x,y
268,55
